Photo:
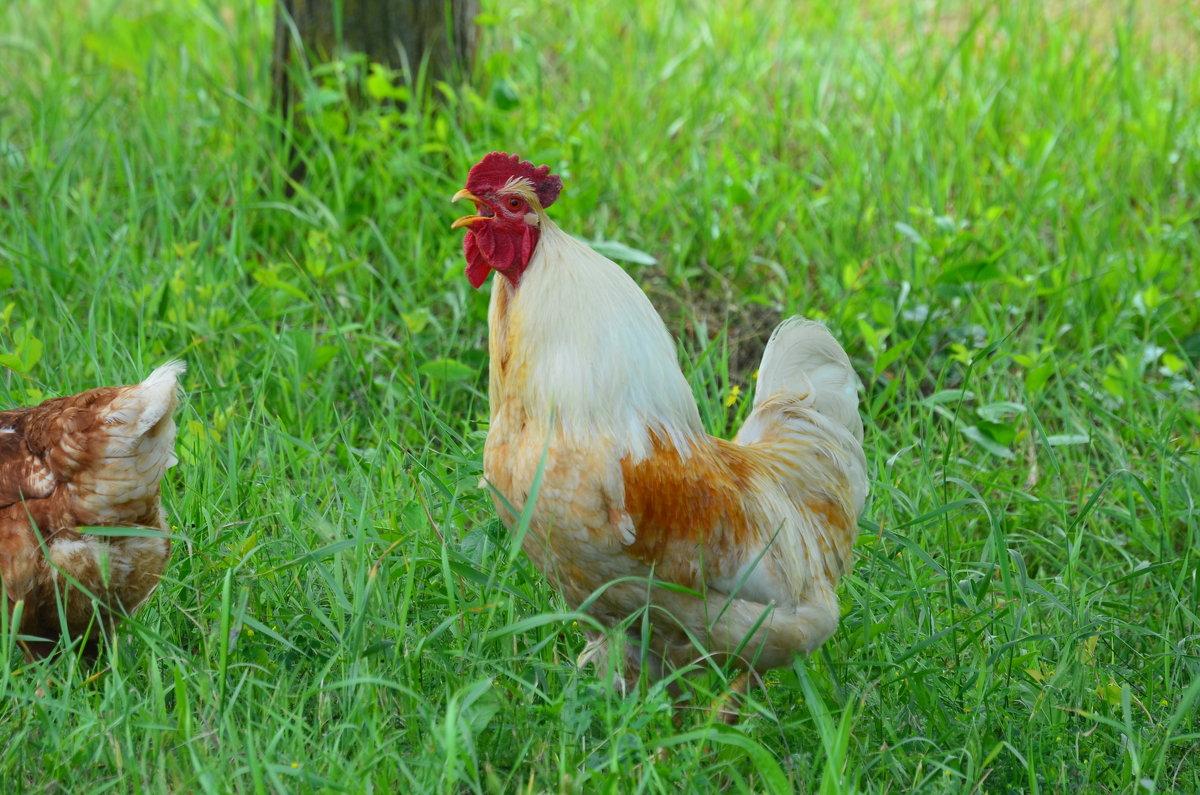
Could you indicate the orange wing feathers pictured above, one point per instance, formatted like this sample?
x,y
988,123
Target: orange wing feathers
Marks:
x,y
684,507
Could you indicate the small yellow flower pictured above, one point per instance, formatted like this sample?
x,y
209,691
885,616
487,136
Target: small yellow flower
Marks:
x,y
295,764
734,391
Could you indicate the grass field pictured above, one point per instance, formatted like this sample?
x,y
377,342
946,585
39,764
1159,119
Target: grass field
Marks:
x,y
995,206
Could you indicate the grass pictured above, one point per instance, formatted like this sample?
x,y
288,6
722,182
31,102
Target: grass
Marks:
x,y
996,208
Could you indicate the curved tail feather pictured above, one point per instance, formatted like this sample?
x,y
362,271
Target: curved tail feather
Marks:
x,y
803,358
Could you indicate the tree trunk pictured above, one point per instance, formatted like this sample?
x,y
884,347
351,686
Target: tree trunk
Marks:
x,y
405,35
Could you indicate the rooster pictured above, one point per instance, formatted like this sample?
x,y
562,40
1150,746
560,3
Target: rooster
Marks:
x,y
86,460
736,547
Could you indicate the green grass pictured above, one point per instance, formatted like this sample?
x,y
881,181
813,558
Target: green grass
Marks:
x,y
997,211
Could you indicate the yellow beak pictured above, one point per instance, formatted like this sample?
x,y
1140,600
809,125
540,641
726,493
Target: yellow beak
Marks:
x,y
466,220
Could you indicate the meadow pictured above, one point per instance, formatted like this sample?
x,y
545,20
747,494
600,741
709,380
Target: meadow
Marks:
x,y
995,206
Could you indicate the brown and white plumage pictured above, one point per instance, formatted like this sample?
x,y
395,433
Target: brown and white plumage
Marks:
x,y
92,459
633,491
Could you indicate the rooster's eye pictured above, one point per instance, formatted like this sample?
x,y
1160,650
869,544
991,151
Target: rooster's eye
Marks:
x,y
514,204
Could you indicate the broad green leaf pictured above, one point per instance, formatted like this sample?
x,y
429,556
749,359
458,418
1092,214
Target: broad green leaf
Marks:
x,y
417,320
12,361
1036,378
1064,439
997,412
992,446
504,95
381,84
621,252
1000,432
447,370
31,353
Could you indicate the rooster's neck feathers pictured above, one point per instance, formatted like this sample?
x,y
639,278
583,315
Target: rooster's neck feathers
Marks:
x,y
584,348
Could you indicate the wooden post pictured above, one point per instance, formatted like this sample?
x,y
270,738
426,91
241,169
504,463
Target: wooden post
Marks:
x,y
438,36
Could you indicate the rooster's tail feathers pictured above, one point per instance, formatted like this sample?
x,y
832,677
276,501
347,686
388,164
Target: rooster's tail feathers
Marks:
x,y
802,357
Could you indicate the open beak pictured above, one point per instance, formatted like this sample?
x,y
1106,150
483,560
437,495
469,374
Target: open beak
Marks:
x,y
467,220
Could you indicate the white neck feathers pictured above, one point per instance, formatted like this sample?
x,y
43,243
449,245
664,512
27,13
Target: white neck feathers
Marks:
x,y
586,347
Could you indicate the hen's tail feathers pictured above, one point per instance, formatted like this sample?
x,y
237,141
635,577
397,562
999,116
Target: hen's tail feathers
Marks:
x,y
802,357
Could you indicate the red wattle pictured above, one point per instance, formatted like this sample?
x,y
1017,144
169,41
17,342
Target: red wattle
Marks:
x,y
477,267
503,249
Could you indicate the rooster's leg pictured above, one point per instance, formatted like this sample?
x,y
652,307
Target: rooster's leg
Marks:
x,y
726,707
598,654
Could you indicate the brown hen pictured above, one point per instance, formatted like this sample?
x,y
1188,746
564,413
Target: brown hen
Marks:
x,y
94,459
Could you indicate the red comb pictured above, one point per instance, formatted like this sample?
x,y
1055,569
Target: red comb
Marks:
x,y
496,169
